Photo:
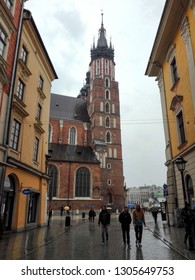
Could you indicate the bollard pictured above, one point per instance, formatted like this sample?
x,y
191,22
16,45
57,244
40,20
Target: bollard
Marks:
x,y
83,215
67,221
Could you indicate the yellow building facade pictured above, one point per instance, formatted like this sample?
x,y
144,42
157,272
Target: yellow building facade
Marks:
x,y
25,188
172,63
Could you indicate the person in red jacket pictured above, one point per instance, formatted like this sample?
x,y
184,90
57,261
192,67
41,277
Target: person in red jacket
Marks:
x,y
138,222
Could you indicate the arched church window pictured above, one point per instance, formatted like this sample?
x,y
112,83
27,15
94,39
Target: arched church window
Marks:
x,y
107,107
82,184
107,82
107,122
107,94
72,137
108,137
98,67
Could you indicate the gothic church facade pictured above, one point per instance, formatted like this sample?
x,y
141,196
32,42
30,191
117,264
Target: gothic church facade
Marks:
x,y
85,164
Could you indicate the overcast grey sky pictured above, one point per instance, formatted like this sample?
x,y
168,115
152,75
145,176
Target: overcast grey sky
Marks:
x,y
68,27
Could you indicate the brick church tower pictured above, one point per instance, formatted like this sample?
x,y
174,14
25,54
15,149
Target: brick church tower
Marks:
x,y
104,112
85,163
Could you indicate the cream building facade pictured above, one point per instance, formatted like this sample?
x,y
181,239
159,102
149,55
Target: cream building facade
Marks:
x,y
172,63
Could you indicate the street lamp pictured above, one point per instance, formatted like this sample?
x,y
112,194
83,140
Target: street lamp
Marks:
x,y
180,162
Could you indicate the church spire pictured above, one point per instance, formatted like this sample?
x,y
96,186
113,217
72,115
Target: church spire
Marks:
x,y
102,49
102,42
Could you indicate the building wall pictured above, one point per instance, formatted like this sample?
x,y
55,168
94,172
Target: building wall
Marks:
x,y
66,171
175,39
9,24
28,172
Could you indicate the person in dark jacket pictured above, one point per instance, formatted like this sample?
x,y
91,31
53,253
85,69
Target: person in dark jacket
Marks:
x,y
125,220
104,220
92,215
186,214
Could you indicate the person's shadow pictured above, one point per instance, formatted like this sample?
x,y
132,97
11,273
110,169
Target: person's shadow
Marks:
x,y
139,254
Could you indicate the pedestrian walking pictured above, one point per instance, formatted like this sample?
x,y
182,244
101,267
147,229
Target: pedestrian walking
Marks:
x,y
154,211
50,213
61,210
92,215
125,220
104,221
138,222
186,214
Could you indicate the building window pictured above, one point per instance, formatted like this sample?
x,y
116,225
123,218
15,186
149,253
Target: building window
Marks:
x,y
108,137
107,95
24,55
109,182
50,130
181,131
3,39
40,83
9,4
107,122
174,72
15,134
82,186
36,149
20,89
32,207
107,107
72,138
39,110
53,173
189,187
98,67
106,67
109,166
107,82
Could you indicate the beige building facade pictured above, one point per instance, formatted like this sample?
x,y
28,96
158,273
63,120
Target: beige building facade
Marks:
x,y
172,63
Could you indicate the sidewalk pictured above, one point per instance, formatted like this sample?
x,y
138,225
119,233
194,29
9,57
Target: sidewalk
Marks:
x,y
171,236
14,246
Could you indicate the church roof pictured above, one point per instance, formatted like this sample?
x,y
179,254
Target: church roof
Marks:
x,y
71,153
68,108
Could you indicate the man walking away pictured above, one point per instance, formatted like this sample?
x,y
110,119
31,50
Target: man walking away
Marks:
x,y
104,220
125,220
186,214
138,221
92,215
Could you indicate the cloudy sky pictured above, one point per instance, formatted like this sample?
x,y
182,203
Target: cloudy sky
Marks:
x,y
68,27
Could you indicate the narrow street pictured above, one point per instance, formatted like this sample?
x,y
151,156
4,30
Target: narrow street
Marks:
x,y
82,241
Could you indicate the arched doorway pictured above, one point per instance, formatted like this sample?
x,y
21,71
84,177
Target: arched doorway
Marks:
x,y
8,201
